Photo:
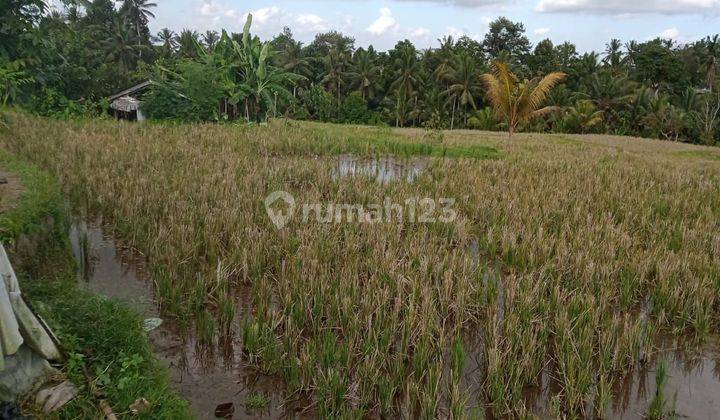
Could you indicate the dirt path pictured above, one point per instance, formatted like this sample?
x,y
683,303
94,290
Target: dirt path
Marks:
x,y
10,190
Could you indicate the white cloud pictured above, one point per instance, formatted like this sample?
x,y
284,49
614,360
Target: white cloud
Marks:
x,y
670,33
541,31
419,32
263,15
312,22
619,7
384,23
212,9
466,3
459,33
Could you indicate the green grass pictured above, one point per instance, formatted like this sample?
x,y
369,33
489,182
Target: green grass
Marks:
x,y
700,154
565,141
328,139
102,336
41,198
107,339
256,402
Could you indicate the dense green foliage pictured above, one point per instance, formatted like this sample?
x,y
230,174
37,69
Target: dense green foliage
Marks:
x,y
105,338
63,63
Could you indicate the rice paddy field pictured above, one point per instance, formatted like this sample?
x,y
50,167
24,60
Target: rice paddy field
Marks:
x,y
571,262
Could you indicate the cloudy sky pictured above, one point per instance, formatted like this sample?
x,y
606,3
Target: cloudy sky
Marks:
x,y
588,23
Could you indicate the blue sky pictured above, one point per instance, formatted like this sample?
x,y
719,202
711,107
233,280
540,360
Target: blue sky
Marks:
x,y
587,23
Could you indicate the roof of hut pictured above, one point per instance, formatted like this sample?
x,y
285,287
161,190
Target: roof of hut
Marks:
x,y
125,103
131,91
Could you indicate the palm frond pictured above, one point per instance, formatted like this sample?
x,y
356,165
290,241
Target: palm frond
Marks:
x,y
543,88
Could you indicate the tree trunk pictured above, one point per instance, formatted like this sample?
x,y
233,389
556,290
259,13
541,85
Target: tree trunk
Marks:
x,y
711,74
137,27
397,112
452,119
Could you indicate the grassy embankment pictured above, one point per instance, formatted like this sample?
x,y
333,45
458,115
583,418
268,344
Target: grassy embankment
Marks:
x,y
586,248
103,337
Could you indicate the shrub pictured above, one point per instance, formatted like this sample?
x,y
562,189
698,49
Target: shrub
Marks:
x,y
192,93
355,110
319,103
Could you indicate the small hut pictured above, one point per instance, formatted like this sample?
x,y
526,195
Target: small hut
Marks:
x,y
126,104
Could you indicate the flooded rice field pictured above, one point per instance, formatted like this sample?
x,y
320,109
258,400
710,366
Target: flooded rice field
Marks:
x,y
217,383
212,378
383,169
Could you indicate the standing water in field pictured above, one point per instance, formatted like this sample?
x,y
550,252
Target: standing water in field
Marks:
x,y
383,169
207,376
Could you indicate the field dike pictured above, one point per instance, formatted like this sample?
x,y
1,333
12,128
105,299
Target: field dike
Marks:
x,y
577,281
101,337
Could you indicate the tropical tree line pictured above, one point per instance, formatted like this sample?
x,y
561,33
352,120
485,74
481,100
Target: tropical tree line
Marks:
x,y
65,62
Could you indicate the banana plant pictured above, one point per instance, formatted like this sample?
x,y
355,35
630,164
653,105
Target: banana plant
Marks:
x,y
255,82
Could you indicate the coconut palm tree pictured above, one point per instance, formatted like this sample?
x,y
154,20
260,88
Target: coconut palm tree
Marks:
x,y
465,85
613,53
335,63
518,102
292,58
188,42
167,38
138,12
364,73
210,39
119,46
445,56
406,80
583,116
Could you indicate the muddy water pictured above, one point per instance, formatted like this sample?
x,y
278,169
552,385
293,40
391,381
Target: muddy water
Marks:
x,y
383,169
205,375
211,375
692,388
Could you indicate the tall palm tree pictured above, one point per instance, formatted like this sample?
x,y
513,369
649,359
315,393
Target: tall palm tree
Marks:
x,y
210,39
119,46
364,73
188,42
167,38
432,102
138,11
518,102
466,86
445,55
613,53
292,59
406,80
335,64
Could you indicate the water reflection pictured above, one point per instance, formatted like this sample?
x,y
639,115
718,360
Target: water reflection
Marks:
x,y
209,375
382,169
205,375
